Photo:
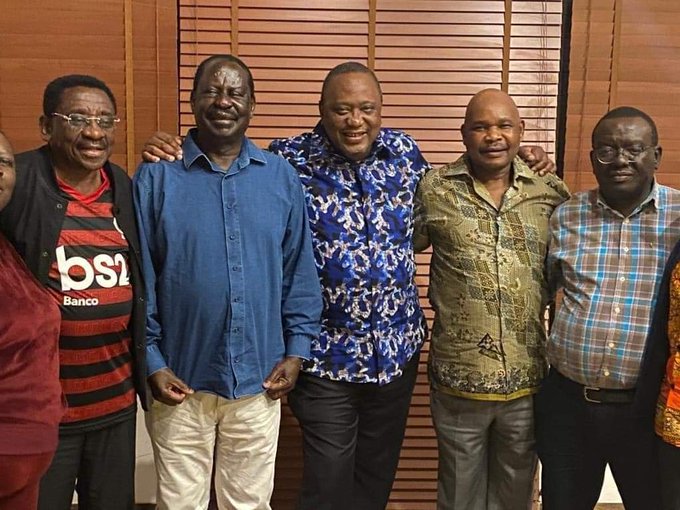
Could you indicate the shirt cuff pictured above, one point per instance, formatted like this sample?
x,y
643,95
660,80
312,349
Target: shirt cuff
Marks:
x,y
298,346
154,359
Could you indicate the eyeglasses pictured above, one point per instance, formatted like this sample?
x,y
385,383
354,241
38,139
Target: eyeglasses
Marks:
x,y
79,121
607,154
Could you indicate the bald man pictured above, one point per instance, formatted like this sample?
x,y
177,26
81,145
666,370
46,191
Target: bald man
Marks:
x,y
486,217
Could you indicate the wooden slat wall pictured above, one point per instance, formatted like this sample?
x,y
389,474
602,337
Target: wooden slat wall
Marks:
x,y
130,44
430,56
623,52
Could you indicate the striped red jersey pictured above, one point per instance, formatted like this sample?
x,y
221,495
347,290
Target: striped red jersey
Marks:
x,y
90,281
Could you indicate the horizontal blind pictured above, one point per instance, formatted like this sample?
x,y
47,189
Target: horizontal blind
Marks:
x,y
431,56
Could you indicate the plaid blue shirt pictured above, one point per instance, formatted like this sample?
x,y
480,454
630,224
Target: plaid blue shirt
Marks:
x,y
361,217
608,267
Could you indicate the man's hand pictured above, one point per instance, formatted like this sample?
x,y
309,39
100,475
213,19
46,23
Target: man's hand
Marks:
x,y
283,376
162,145
168,388
537,159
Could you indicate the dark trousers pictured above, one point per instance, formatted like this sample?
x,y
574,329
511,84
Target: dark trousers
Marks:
x,y
99,464
576,440
669,466
352,435
19,479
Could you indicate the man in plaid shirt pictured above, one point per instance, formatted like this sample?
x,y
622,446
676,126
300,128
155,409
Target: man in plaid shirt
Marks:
x,y
607,251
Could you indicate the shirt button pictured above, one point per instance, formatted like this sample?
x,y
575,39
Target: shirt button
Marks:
x,y
606,373
622,279
229,206
611,345
625,249
617,310
237,299
626,220
44,254
236,268
236,330
59,206
232,237
237,360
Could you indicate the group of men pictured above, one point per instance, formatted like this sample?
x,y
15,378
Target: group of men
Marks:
x,y
251,286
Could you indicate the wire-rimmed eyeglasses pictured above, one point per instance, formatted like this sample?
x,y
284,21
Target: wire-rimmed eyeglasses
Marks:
x,y
79,121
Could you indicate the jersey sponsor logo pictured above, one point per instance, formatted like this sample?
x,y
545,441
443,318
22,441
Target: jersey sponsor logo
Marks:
x,y
102,270
69,301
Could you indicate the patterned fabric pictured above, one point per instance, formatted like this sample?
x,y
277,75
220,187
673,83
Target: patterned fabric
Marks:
x,y
90,282
361,215
487,285
609,267
667,421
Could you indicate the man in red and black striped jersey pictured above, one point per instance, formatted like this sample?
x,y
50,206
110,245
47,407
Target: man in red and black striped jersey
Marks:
x,y
72,221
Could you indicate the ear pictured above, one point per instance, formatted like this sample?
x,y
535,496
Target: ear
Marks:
x,y
45,128
321,108
252,107
593,160
657,156
521,130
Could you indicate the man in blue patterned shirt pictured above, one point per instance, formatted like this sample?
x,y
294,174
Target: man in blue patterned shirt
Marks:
x,y
353,395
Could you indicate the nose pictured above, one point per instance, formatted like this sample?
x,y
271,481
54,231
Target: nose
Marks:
x,y
492,133
354,118
93,130
224,100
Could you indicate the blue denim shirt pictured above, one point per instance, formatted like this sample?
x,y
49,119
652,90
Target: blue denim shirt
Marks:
x,y
361,216
227,257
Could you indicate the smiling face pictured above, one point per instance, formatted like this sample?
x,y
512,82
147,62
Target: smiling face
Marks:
x,y
625,184
78,149
222,103
7,172
350,111
492,131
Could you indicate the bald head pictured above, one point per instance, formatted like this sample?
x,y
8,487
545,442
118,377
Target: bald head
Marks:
x,y
489,98
492,131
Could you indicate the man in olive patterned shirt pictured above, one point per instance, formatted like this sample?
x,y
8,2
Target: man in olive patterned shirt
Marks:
x,y
486,216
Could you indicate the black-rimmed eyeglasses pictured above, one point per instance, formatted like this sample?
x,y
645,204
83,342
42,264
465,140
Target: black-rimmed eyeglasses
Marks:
x,y
608,154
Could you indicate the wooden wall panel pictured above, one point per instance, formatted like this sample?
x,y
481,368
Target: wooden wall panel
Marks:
x,y
431,56
134,54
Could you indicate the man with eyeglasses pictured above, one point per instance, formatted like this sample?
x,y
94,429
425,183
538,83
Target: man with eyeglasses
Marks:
x,y
607,254
71,219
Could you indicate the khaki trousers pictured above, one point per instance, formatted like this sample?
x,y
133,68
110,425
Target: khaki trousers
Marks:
x,y
241,435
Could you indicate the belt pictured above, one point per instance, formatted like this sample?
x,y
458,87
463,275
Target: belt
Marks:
x,y
593,394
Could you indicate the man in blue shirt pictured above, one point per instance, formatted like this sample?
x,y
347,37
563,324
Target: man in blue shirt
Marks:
x,y
353,394
233,298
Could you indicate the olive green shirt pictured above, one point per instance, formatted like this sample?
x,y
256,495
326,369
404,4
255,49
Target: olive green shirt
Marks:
x,y
487,283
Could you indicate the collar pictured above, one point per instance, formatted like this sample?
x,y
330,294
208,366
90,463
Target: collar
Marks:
x,y
654,198
520,170
250,153
381,146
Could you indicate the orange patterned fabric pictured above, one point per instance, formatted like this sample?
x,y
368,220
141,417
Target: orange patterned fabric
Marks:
x,y
667,420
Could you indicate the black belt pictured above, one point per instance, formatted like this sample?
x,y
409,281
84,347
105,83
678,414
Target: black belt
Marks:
x,y
593,394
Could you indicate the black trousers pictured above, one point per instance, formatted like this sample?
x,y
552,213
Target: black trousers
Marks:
x,y
669,464
100,465
576,440
352,435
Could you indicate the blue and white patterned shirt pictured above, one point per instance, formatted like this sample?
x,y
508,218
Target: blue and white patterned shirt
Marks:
x,y
609,267
361,217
